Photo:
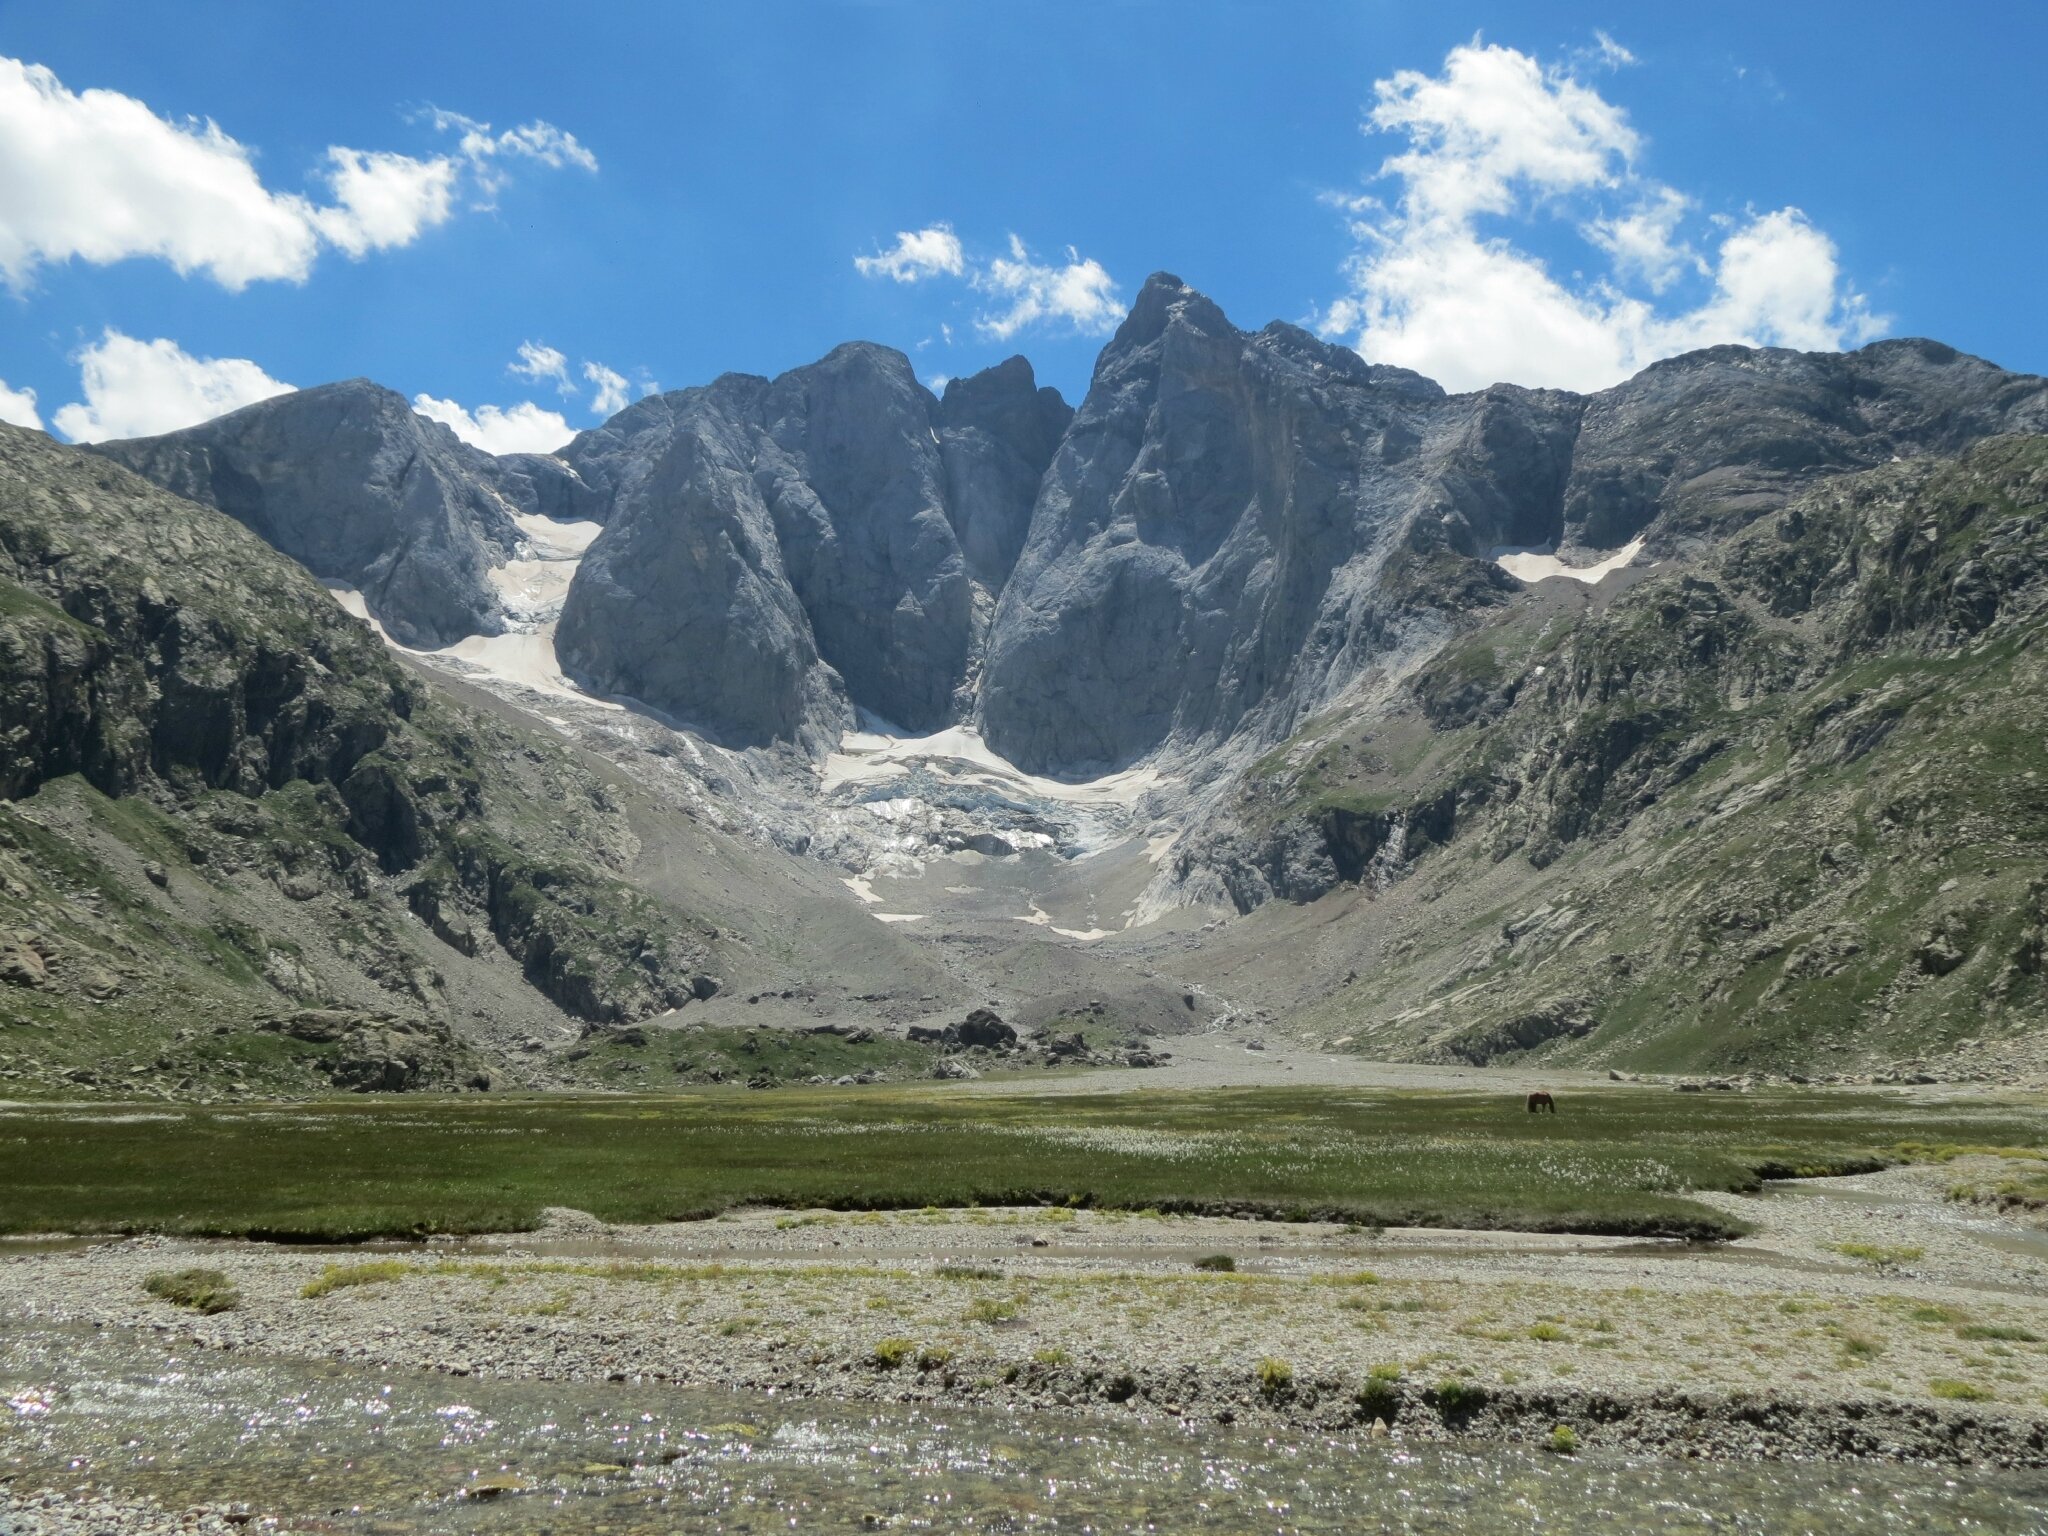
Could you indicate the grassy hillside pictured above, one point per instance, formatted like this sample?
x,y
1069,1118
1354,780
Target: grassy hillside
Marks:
x,y
1783,807
223,805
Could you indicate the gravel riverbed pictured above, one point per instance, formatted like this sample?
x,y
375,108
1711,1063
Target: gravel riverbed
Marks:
x,y
1868,1318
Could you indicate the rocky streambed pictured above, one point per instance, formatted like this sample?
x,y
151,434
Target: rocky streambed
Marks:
x,y
1869,1321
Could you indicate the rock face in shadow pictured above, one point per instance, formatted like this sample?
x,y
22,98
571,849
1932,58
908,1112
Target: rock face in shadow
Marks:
x,y
777,552
1238,526
349,481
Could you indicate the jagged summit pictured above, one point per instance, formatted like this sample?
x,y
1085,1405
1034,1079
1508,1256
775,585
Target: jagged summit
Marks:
x,y
1232,529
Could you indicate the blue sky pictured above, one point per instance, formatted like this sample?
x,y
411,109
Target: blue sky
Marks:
x,y
666,192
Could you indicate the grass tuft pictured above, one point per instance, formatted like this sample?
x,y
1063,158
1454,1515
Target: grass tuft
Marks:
x,y
1959,1391
339,1277
1380,1397
1879,1255
1217,1264
202,1290
890,1353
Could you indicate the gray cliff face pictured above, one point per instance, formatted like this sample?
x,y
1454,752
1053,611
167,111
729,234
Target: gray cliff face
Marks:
x,y
777,552
683,602
1212,537
848,462
347,480
997,432
1237,526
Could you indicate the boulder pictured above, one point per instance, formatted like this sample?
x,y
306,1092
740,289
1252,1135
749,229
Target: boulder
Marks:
x,y
25,958
315,1026
984,1028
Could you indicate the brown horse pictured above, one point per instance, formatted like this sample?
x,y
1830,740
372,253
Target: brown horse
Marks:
x,y
1540,1102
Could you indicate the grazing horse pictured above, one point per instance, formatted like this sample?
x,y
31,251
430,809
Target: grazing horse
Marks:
x,y
1539,1102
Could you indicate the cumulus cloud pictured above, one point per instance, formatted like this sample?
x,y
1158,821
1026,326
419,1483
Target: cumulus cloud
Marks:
x,y
1498,136
933,251
610,396
19,407
140,388
96,176
537,361
521,428
1077,293
384,200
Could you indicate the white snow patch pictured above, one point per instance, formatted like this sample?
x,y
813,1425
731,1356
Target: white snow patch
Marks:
x,y
1535,563
564,540
858,884
352,603
522,656
876,756
897,917
1040,918
532,587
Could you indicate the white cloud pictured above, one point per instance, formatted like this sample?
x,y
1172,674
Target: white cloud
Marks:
x,y
933,251
610,397
96,176
538,141
1497,135
521,428
19,407
383,200
538,361
1644,242
1609,52
140,388
1078,293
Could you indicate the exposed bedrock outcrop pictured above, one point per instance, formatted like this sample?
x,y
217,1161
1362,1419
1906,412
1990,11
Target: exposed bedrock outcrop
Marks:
x,y
778,552
353,484
1233,529
1238,523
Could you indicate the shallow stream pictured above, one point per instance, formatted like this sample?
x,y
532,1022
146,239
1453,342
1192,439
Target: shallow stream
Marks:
x,y
342,1448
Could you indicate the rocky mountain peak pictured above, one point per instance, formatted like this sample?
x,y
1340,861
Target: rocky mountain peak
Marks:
x,y
351,482
1163,301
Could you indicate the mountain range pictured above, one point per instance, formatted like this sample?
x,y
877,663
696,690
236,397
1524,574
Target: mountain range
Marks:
x,y
1691,724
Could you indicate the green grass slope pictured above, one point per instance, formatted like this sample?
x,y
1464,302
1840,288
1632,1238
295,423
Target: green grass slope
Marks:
x,y
1782,807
